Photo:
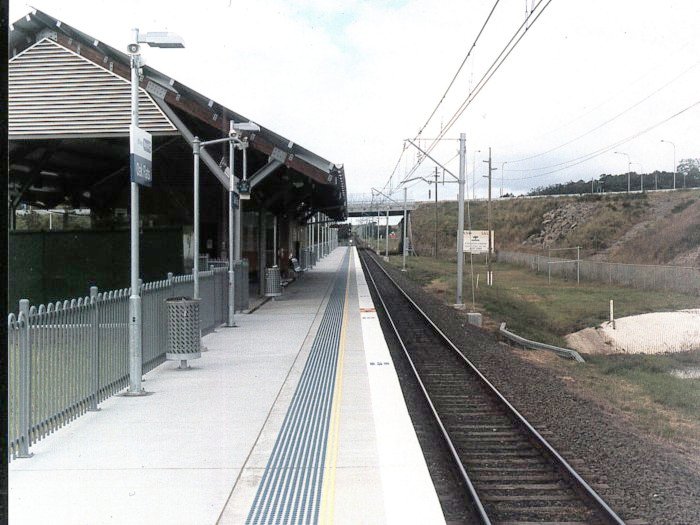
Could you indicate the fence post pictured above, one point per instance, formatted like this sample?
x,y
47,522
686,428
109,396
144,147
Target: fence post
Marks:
x,y
24,380
171,284
578,265
95,346
612,314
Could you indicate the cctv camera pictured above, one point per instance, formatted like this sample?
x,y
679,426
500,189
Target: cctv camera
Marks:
x,y
133,48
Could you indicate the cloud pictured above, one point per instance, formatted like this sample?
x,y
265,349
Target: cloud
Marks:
x,y
351,79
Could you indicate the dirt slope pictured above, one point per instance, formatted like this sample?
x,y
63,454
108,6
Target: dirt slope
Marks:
x,y
651,228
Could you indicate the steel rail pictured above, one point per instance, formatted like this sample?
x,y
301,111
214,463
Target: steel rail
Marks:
x,y
453,451
539,439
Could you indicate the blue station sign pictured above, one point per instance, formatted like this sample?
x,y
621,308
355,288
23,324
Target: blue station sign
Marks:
x,y
141,152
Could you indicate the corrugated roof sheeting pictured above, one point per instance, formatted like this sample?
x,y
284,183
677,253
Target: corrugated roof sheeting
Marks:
x,y
53,92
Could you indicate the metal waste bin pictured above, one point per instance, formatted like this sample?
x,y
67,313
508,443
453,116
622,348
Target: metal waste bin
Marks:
x,y
273,282
183,330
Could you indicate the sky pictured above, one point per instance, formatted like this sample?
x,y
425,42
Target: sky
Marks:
x,y
350,80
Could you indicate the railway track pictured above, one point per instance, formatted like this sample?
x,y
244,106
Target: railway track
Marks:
x,y
513,475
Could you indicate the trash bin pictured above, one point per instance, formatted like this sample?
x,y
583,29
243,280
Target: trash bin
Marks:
x,y
273,282
183,330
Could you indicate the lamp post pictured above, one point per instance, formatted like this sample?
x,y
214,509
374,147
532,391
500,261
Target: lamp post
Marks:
x,y
234,140
166,40
629,169
641,175
674,163
234,207
502,170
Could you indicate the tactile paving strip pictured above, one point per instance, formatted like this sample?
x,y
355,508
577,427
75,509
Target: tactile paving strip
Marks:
x,y
290,489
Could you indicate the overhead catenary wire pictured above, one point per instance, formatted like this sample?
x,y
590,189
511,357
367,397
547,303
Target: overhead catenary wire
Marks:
x,y
459,69
492,69
603,124
618,92
584,158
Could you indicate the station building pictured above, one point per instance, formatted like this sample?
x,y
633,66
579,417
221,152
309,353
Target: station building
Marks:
x,y
69,116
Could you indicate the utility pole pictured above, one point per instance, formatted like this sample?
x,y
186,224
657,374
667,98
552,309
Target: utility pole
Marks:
x,y
386,234
460,217
489,275
436,212
405,248
378,250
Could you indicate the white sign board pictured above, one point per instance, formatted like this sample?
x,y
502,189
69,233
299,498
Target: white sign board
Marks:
x,y
477,241
141,155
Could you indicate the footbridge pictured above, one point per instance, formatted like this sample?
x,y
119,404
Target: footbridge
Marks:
x,y
363,205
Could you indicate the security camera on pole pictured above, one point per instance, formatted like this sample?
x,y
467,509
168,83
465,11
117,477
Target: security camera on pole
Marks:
x,y
236,193
140,158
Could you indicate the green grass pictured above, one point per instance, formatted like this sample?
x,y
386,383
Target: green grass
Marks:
x,y
546,312
535,309
652,372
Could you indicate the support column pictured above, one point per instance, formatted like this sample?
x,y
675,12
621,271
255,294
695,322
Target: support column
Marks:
x,y
386,235
230,321
460,219
262,245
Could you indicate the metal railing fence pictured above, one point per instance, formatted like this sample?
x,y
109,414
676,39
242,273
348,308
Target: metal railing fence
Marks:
x,y
684,279
67,357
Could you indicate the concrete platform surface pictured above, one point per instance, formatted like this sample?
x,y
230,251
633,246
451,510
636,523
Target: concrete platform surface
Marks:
x,y
196,450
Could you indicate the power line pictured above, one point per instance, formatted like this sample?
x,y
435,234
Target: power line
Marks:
x,y
464,61
584,158
459,69
618,92
495,66
612,119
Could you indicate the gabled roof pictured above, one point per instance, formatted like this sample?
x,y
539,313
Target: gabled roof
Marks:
x,y
214,117
54,92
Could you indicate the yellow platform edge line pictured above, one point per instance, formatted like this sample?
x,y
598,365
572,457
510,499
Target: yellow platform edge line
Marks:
x,y
328,488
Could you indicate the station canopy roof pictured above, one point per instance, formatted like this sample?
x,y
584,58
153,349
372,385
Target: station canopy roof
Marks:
x,y
69,114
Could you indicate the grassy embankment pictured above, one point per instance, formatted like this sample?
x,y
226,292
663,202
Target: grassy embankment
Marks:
x,y
670,225
537,310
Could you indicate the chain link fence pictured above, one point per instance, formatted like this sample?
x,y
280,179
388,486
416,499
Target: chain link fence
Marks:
x,y
684,279
65,358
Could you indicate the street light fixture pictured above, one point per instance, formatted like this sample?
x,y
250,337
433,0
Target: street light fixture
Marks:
x,y
674,163
502,170
235,131
234,141
140,142
629,163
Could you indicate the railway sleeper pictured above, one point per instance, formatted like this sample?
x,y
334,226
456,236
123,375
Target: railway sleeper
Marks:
x,y
559,486
533,513
544,523
544,499
532,477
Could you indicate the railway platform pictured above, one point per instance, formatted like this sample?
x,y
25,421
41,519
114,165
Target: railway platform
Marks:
x,y
294,416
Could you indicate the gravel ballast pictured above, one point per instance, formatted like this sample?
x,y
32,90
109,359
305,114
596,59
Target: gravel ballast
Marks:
x,y
643,479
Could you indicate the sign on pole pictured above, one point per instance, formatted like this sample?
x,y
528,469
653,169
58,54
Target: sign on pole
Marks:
x,y
477,241
141,156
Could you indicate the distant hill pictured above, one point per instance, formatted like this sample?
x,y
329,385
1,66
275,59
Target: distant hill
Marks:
x,y
643,228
